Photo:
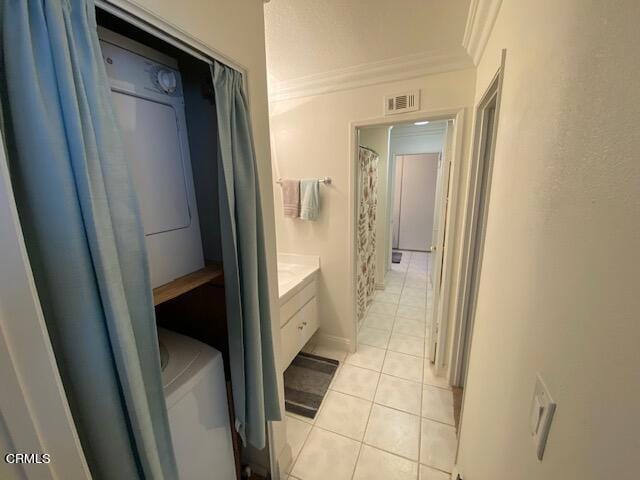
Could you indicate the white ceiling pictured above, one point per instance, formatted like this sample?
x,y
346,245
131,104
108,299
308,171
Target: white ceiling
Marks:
x,y
308,37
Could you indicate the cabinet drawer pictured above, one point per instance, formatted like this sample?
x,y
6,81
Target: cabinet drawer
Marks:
x,y
295,303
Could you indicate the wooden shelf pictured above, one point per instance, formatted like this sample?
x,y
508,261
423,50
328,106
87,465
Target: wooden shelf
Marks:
x,y
187,283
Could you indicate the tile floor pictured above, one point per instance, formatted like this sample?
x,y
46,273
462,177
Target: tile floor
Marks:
x,y
387,415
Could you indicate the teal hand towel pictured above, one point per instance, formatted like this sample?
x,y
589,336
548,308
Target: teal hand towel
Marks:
x,y
309,199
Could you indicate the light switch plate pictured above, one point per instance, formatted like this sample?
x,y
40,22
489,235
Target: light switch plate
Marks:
x,y
542,409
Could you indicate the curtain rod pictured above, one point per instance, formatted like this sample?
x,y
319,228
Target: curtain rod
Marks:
x,y
370,149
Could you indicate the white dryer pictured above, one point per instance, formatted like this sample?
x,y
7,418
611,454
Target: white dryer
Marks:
x,y
149,105
196,396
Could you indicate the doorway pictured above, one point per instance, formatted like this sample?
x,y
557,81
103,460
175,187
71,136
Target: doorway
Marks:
x,y
408,179
476,225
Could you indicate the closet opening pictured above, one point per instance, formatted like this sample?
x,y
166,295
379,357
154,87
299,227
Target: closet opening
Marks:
x,y
165,106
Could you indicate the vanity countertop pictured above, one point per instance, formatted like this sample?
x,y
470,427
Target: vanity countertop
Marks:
x,y
294,271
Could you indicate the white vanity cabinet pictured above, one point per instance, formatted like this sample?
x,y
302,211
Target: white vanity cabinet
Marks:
x,y
298,309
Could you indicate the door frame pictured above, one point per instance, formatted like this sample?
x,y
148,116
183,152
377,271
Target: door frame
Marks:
x,y
455,114
474,233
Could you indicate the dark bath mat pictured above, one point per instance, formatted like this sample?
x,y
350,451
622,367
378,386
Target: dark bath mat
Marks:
x,y
396,257
306,382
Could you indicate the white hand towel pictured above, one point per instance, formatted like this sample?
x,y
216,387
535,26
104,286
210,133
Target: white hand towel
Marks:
x,y
309,199
290,197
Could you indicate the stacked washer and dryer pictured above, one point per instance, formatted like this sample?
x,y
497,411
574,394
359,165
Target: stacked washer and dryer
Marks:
x,y
149,105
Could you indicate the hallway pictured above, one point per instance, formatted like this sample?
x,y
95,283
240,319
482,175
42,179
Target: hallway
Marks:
x,y
386,414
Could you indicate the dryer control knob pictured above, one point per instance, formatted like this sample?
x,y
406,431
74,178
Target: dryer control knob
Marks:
x,y
167,81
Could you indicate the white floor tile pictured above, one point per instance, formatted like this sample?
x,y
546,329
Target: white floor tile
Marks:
x,y
375,464
308,420
367,357
297,432
309,346
414,292
403,366
431,377
374,337
437,404
356,381
438,445
394,431
416,283
326,455
381,322
414,313
393,287
407,326
428,473
381,308
387,297
409,301
329,352
344,414
399,394
407,344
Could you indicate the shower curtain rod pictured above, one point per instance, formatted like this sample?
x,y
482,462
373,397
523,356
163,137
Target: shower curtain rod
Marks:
x,y
370,149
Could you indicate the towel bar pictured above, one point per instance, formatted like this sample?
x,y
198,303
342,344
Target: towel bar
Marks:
x,y
325,180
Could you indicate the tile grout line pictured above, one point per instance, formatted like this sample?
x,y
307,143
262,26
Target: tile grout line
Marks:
x,y
366,426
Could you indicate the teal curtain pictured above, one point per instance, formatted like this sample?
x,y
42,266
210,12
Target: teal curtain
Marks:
x,y
83,234
253,367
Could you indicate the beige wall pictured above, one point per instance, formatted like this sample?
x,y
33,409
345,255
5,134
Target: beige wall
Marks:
x,y
236,30
377,138
559,287
310,137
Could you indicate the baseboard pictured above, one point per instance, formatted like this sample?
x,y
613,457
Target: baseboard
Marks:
x,y
332,341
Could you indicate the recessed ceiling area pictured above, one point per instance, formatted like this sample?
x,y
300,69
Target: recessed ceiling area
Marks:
x,y
308,37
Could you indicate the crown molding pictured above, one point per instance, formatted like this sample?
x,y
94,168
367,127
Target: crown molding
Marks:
x,y
480,20
395,69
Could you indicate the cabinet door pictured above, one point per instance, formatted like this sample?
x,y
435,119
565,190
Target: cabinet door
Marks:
x,y
298,331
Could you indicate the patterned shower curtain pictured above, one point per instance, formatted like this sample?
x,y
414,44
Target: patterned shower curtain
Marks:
x,y
367,204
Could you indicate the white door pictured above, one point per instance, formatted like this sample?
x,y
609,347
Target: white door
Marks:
x,y
437,217
397,193
419,175
437,249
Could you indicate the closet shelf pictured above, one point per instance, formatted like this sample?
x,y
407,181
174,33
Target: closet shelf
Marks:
x,y
187,283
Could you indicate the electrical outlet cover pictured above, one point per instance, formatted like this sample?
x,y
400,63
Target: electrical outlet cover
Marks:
x,y
542,410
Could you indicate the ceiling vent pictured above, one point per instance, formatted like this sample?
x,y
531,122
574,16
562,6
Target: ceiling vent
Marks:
x,y
404,102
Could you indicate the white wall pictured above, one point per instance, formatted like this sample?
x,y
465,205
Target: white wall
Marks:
x,y
411,139
311,138
377,138
236,30
559,284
